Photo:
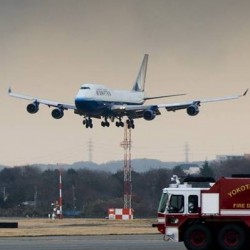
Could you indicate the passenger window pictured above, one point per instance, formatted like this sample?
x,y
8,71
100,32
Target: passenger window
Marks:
x,y
176,204
193,204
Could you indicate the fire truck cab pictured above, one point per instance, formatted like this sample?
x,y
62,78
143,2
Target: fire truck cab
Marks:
x,y
213,215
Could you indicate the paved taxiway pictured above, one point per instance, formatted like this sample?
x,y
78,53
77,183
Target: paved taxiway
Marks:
x,y
108,242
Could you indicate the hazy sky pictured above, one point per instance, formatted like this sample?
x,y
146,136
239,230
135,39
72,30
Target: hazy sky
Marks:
x,y
48,48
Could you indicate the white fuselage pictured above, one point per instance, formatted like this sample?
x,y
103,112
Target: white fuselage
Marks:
x,y
98,98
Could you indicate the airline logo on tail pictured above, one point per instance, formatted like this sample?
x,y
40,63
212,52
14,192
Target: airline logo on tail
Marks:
x,y
141,78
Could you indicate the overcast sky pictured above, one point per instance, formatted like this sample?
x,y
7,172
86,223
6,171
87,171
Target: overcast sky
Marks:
x,y
48,48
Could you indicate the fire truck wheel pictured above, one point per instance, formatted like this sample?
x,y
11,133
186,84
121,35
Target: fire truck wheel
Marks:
x,y
232,237
198,237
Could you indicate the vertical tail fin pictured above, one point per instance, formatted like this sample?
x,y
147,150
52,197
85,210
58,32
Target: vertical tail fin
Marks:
x,y
141,77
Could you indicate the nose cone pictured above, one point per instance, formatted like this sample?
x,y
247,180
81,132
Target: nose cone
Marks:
x,y
85,102
79,99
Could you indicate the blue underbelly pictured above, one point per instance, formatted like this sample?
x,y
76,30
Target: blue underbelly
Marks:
x,y
91,106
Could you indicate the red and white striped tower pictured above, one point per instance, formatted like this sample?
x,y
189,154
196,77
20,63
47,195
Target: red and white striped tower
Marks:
x,y
60,195
126,144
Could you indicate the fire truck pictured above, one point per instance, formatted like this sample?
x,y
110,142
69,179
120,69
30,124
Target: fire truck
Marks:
x,y
205,214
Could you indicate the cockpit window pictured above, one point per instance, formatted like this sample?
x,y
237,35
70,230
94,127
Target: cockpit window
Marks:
x,y
85,87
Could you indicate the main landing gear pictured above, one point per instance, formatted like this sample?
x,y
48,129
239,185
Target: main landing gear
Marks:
x,y
105,123
130,124
119,123
88,123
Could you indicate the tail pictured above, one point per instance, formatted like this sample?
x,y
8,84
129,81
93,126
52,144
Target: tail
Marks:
x,y
141,77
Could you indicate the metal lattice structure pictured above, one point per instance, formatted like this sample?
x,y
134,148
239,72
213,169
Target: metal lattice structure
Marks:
x,y
126,145
60,195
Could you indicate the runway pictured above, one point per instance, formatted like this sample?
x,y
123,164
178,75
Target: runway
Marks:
x,y
107,242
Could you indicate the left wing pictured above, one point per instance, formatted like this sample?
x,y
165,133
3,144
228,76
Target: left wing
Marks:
x,y
191,105
150,111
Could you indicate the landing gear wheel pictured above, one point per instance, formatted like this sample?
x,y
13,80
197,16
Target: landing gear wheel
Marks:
x,y
130,124
198,237
232,237
119,124
88,123
105,124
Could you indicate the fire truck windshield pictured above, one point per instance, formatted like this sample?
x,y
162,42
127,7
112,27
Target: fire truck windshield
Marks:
x,y
163,202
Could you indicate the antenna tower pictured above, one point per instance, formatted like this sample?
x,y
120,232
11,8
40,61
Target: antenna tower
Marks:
x,y
90,149
187,152
126,145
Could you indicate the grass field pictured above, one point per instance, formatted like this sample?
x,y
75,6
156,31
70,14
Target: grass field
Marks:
x,y
61,227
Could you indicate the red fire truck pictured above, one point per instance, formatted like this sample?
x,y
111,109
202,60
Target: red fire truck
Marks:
x,y
211,216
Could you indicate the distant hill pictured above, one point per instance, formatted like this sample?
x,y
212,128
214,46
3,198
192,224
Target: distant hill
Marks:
x,y
138,165
2,167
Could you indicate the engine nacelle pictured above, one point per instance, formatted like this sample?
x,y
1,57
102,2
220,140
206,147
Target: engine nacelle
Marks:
x,y
149,115
57,113
193,110
32,108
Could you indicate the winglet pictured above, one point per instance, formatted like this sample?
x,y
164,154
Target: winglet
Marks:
x,y
245,93
9,91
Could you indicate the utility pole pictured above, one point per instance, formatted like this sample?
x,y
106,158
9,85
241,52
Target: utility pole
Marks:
x,y
60,195
186,153
35,198
74,198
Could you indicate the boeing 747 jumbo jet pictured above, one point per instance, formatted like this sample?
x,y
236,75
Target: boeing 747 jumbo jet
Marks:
x,y
99,101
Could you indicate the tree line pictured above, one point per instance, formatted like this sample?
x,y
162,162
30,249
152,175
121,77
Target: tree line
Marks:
x,y
31,191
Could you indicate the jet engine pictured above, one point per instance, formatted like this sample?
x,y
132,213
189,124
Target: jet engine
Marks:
x,y
149,115
193,110
32,108
57,113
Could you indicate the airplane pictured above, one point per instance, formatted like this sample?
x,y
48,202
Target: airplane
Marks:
x,y
99,101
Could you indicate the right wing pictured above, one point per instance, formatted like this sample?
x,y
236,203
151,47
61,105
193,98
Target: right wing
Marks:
x,y
42,101
32,108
